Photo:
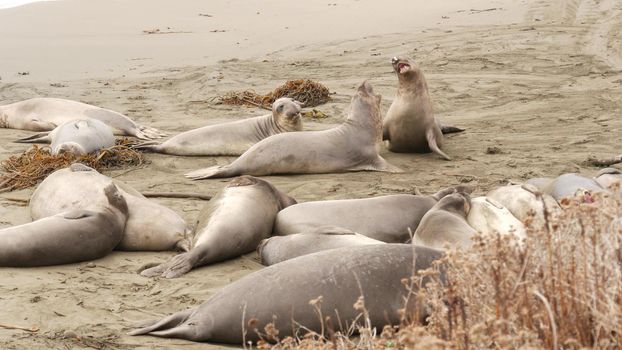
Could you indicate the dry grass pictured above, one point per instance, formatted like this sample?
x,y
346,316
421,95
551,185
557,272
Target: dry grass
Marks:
x,y
27,169
561,289
309,92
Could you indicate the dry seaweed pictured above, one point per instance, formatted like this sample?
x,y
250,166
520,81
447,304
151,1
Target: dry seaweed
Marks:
x,y
27,169
309,92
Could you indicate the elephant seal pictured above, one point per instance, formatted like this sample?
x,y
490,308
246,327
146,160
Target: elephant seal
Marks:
x,y
280,248
150,226
410,125
80,137
490,217
609,178
231,224
233,138
352,146
69,237
526,203
385,218
284,290
540,182
570,184
45,114
445,224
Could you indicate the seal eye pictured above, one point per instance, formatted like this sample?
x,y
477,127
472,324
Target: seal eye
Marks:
x,y
279,108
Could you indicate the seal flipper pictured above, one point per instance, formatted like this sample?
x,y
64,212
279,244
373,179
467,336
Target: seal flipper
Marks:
x,y
149,146
212,172
178,265
42,137
433,145
379,164
77,214
449,129
167,323
37,125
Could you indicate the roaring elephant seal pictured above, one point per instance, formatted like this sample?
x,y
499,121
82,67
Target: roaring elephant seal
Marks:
x,y
527,203
276,249
609,178
410,125
490,217
150,226
45,114
231,224
352,146
571,184
446,224
284,290
80,137
233,138
385,218
69,237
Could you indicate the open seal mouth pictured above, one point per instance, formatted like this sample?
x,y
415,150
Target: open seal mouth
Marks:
x,y
403,67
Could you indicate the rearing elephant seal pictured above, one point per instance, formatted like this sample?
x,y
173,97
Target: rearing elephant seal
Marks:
x,y
276,249
446,223
45,114
352,146
410,125
80,137
284,290
231,224
150,226
233,138
385,218
69,237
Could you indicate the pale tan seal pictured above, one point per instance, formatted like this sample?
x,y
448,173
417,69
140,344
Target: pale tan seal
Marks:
x,y
571,184
490,217
352,146
284,290
276,249
45,114
446,225
390,219
80,137
526,203
232,138
231,224
410,125
69,237
150,226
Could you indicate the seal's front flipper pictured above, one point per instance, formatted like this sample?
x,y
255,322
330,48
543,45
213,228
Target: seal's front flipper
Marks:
x,y
379,164
77,214
42,137
433,145
449,129
149,146
38,125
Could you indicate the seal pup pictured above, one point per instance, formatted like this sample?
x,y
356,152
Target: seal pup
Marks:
x,y
45,114
232,138
352,146
150,226
231,224
410,125
526,203
446,224
609,178
490,217
276,249
69,237
570,184
284,290
80,137
384,218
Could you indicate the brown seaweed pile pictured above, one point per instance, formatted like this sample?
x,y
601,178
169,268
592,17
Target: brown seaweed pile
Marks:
x,y
27,169
309,92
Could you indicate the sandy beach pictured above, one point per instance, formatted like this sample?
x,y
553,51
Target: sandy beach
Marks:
x,y
536,85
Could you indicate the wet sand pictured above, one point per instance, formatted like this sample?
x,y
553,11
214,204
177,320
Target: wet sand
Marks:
x,y
537,87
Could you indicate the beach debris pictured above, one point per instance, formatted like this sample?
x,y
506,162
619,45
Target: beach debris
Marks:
x,y
27,169
315,114
602,162
27,329
307,91
167,31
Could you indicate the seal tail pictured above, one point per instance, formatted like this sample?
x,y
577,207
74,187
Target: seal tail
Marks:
x,y
433,145
217,171
42,137
166,324
149,146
